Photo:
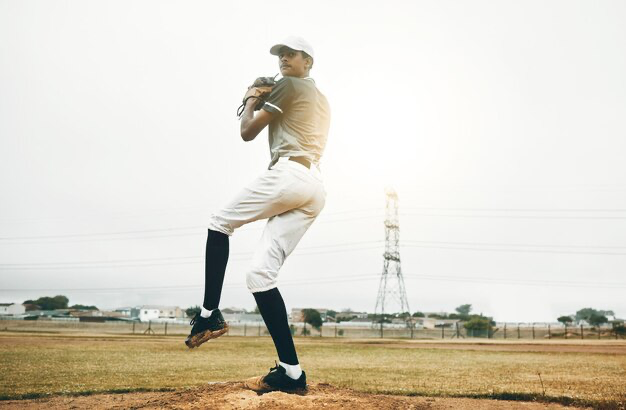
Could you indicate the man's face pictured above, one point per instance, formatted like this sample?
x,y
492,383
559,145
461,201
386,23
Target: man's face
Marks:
x,y
292,63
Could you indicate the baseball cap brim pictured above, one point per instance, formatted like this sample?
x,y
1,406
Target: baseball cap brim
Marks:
x,y
294,43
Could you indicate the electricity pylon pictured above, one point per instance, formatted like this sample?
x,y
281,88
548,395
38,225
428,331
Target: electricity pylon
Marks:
x,y
391,291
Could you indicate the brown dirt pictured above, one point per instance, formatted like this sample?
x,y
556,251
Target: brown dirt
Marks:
x,y
232,395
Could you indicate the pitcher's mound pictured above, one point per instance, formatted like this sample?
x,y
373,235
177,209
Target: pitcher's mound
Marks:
x,y
233,395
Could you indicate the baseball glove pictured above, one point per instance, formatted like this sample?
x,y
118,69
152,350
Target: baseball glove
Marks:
x,y
260,89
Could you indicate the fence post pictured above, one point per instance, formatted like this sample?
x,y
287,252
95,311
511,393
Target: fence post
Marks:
x,y
165,328
582,335
599,331
549,333
565,331
259,328
381,328
442,329
133,327
505,330
518,335
335,329
245,328
304,330
533,330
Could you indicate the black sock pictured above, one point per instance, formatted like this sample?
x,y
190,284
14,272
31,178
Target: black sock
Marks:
x,y
272,308
216,259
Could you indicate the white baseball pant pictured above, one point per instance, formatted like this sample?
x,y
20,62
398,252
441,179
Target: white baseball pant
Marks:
x,y
291,196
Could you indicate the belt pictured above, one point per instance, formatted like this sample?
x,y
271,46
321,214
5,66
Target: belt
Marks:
x,y
301,160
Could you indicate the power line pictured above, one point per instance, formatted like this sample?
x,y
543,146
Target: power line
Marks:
x,y
310,250
197,209
200,229
180,260
465,248
525,282
519,245
148,212
330,279
520,216
572,210
347,278
360,217
98,234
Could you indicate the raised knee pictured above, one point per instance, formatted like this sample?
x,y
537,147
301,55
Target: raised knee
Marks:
x,y
259,280
220,225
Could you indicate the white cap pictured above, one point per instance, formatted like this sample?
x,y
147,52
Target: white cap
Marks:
x,y
294,43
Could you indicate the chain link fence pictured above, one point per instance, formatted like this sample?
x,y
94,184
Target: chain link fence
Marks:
x,y
499,332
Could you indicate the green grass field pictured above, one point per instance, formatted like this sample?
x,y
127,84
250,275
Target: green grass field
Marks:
x,y
35,365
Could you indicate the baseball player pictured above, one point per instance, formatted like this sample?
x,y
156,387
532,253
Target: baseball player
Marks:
x,y
290,194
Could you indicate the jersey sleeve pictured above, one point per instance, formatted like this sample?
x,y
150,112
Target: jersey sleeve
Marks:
x,y
281,96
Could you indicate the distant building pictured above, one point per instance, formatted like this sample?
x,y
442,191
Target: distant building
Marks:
x,y
147,313
360,320
124,311
232,310
86,313
155,312
432,323
427,314
243,318
12,309
50,313
349,315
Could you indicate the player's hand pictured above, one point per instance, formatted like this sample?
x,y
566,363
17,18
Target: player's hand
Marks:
x,y
252,92
257,92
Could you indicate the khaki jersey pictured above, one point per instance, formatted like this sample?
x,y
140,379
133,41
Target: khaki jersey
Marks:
x,y
301,127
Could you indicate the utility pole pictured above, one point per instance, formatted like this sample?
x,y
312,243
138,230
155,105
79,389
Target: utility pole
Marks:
x,y
391,291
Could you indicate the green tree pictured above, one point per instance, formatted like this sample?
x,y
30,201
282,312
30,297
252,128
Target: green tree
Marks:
x,y
566,320
193,310
418,314
83,307
312,317
597,320
585,314
331,313
50,303
464,310
478,323
607,313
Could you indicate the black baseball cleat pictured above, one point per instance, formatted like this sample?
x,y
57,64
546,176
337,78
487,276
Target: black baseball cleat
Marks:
x,y
205,329
277,380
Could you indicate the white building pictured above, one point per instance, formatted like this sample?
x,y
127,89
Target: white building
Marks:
x,y
12,309
158,313
243,318
432,323
147,313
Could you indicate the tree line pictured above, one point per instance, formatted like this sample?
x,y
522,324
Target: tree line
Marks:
x,y
54,303
592,316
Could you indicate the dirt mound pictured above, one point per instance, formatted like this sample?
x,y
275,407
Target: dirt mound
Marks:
x,y
232,395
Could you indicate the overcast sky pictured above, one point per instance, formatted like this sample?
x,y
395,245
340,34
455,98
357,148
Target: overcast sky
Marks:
x,y
500,124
